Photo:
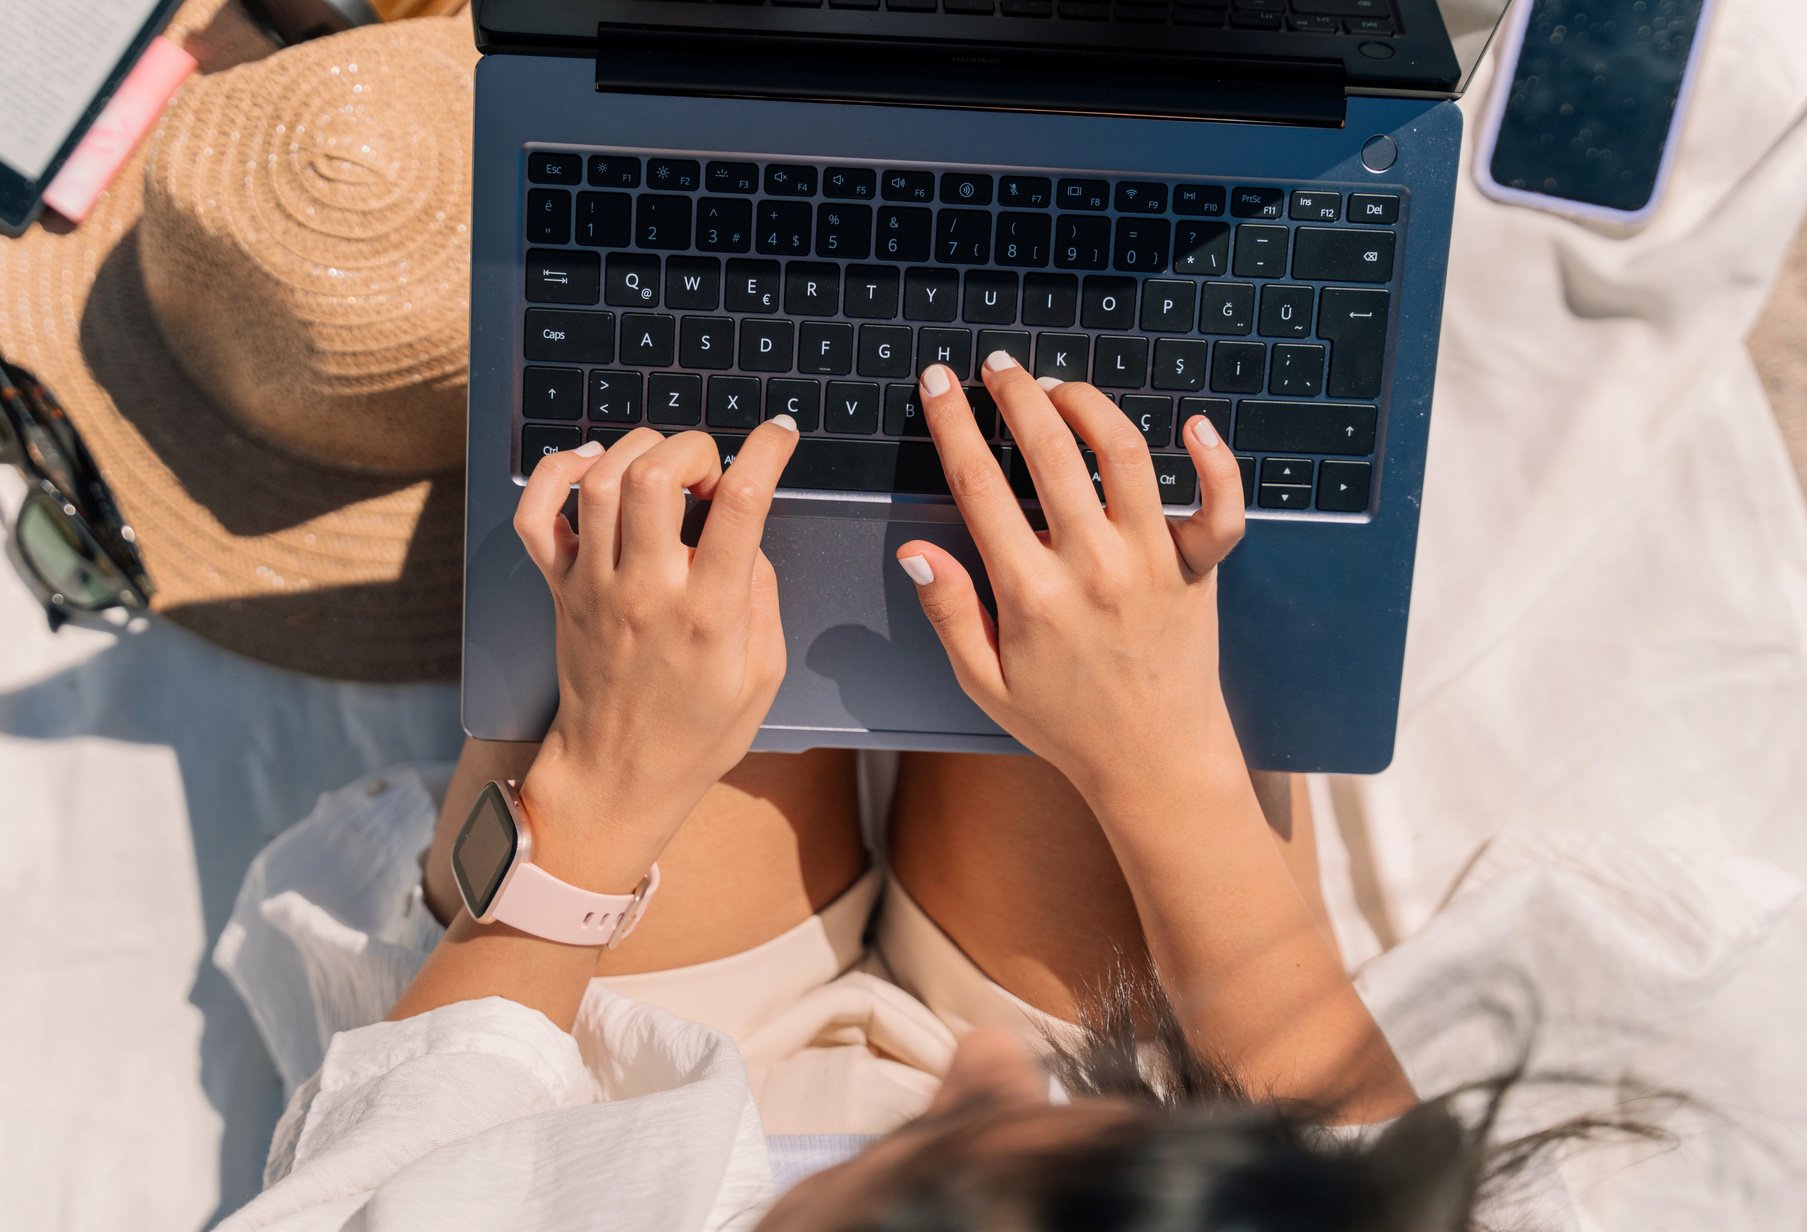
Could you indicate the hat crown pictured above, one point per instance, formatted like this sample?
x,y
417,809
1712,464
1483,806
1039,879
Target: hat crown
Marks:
x,y
305,244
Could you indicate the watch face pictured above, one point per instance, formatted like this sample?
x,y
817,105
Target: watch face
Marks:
x,y
484,850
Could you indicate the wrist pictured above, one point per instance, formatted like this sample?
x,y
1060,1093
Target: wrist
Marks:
x,y
1199,762
585,834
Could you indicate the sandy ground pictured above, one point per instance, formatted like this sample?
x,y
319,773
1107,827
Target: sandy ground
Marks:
x,y
1779,345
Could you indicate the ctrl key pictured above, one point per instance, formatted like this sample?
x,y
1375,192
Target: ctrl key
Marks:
x,y
538,441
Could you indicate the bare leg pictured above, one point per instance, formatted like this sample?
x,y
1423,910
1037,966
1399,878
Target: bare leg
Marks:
x,y
1004,855
775,841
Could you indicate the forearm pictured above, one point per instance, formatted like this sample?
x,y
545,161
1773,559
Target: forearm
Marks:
x,y
1236,945
492,960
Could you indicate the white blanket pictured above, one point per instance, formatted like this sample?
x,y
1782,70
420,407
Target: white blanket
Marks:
x,y
1609,647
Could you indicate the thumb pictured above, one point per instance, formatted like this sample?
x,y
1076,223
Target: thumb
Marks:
x,y
952,605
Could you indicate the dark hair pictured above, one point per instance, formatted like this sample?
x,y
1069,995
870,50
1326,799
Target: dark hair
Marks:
x,y
1199,1153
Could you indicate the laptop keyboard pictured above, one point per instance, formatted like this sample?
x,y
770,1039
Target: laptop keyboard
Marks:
x,y
691,291
1363,18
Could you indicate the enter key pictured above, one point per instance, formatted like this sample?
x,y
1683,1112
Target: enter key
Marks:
x,y
1354,322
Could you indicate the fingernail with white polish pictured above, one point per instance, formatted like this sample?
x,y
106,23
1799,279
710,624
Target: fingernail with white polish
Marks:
x,y
589,449
935,380
785,422
999,361
1049,382
918,569
1206,434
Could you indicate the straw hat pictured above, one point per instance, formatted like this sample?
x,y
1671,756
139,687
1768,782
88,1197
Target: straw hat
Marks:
x,y
261,333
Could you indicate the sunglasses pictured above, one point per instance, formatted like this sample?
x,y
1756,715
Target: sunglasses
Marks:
x,y
76,552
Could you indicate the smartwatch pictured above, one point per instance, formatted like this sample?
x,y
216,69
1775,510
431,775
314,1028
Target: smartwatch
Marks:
x,y
492,862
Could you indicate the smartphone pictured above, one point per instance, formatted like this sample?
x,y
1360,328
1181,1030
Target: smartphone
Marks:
x,y
1588,104
60,62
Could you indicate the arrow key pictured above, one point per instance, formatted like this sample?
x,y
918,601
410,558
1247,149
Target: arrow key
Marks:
x,y
1343,486
1288,471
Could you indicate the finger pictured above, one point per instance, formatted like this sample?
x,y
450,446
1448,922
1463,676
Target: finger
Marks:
x,y
1131,495
965,628
652,498
539,517
599,499
1207,536
1042,437
729,544
977,482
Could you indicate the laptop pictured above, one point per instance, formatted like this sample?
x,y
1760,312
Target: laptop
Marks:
x,y
696,215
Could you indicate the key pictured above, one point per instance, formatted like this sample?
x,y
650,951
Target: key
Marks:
x,y
1120,362
766,345
647,341
541,440
962,237
1343,256
662,222
1083,195
740,178
790,180
844,231
752,286
985,409
1176,477
555,277
1152,415
1343,486
547,168
724,225
851,406
1313,24
965,187
904,234
931,294
1142,244
903,412
1168,305
1217,410
683,174
1247,467
1109,303
1286,312
1298,370
1141,197
782,227
812,290
1290,472
1370,26
1050,299
953,347
884,350
1081,242
1199,200
1024,239
706,342
825,348
801,400
1062,356
907,186
614,171
571,337
552,393
615,397
1238,367
1344,8
1305,427
1202,248
865,466
1260,251
604,219
548,216
733,402
850,183
1309,205
1257,202
1014,343
1033,191
1226,308
1380,208
674,398
631,280
990,298
871,292
1285,496
693,284
1354,322
1179,363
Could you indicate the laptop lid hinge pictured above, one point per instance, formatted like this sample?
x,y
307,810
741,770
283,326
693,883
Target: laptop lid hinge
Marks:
x,y
634,60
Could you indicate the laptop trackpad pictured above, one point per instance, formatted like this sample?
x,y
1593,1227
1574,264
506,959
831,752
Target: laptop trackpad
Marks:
x,y
862,655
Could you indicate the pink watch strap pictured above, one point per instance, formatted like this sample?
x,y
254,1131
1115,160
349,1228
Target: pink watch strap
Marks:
x,y
536,902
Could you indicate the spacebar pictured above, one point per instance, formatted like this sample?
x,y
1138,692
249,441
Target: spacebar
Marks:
x,y
834,465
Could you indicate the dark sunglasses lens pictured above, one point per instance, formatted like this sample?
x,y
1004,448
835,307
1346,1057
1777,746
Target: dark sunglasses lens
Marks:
x,y
66,560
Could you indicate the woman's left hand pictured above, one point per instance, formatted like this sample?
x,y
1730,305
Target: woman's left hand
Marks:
x,y
668,657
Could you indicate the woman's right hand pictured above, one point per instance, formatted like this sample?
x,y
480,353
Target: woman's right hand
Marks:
x,y
1103,657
